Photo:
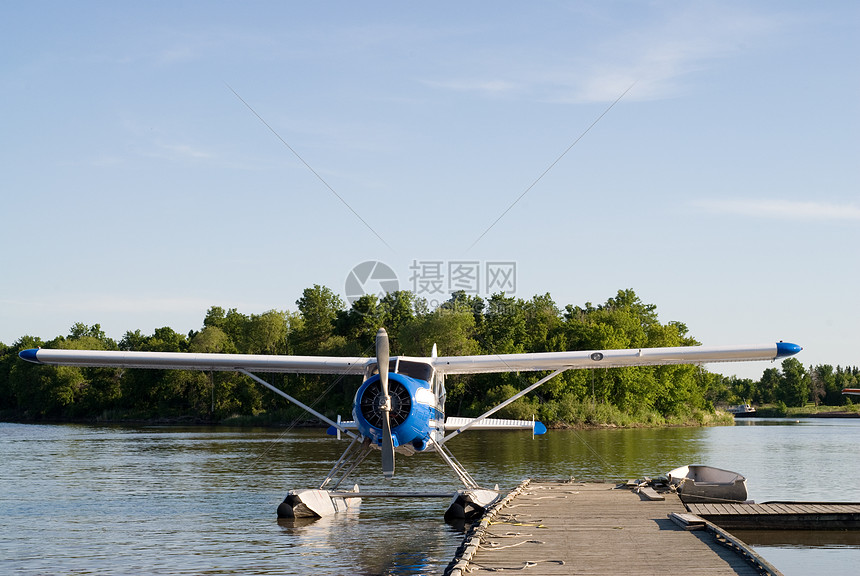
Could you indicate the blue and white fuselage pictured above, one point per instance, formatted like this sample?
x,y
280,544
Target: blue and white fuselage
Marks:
x,y
417,413
418,422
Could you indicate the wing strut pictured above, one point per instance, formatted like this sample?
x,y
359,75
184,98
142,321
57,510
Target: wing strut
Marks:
x,y
297,403
491,411
455,465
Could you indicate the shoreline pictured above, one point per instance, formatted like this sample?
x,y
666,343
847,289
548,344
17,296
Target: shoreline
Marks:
x,y
248,422
771,411
268,421
835,414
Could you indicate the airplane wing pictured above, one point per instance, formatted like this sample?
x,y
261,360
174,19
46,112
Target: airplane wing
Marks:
x,y
556,362
611,358
444,364
206,362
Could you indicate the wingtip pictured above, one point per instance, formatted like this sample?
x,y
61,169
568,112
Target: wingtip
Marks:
x,y
29,355
785,349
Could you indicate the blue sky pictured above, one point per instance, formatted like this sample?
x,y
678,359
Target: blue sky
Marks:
x,y
138,190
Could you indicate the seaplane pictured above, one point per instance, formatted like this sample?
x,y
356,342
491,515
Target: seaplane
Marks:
x,y
399,408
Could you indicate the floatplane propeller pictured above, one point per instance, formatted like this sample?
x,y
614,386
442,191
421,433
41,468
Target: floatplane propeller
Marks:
x,y
382,359
400,405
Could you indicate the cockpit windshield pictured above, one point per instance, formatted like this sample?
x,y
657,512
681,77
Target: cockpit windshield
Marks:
x,y
417,370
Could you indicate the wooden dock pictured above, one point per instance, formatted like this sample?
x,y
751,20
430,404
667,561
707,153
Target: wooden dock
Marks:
x,y
781,515
588,528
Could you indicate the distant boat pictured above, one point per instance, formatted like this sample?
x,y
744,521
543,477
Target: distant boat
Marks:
x,y
740,409
706,484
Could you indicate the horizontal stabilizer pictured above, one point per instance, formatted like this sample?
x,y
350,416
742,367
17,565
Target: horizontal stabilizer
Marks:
x,y
496,424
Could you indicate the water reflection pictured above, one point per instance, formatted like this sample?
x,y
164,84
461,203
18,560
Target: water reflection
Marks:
x,y
801,538
373,543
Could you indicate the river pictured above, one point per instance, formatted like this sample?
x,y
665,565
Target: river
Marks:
x,y
81,499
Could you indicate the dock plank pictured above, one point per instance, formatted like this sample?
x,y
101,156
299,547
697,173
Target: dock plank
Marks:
x,y
781,515
651,494
558,528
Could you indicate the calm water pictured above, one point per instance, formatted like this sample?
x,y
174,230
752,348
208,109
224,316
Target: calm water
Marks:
x,y
131,500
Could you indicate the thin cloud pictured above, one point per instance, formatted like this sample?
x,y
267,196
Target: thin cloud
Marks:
x,y
487,86
662,56
659,55
782,209
184,151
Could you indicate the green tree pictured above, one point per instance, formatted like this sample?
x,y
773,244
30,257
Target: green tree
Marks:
x,y
544,331
267,333
823,382
165,339
768,387
743,389
452,332
211,340
504,326
359,324
216,317
7,395
235,326
397,309
844,378
96,389
319,307
460,301
794,388
628,317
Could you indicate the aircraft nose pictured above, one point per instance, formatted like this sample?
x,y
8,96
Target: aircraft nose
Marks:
x,y
784,349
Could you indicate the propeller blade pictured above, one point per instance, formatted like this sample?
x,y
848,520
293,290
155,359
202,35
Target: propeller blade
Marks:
x,y
387,448
382,358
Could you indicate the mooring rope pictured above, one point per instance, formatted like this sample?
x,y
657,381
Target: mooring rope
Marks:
x,y
493,546
526,564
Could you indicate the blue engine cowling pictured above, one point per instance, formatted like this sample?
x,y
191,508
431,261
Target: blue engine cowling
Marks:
x,y
411,409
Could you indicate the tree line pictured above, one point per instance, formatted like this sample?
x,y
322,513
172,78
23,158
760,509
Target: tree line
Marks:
x,y
793,385
465,324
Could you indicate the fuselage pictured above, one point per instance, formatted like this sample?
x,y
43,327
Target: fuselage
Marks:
x,y
417,414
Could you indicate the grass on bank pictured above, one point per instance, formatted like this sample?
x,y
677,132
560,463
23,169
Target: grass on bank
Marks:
x,y
576,413
566,413
780,410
